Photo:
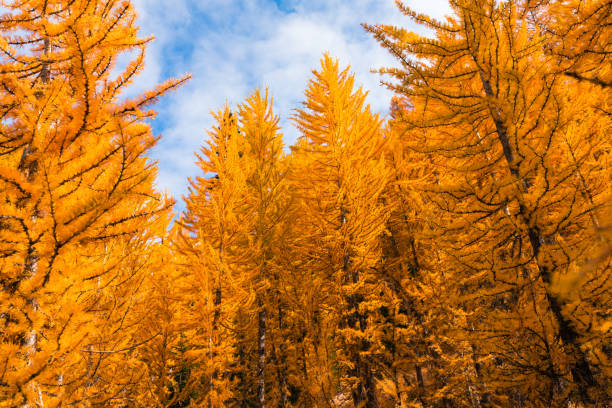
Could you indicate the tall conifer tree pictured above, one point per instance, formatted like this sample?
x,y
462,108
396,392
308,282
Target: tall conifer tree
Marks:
x,y
78,204
213,227
340,175
517,192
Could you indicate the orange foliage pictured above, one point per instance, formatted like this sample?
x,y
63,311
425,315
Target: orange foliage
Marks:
x,y
78,204
455,255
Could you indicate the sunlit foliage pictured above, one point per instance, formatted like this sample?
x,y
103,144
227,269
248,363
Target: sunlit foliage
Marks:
x,y
454,253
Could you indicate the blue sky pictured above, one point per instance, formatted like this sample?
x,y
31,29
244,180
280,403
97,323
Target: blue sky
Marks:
x,y
233,46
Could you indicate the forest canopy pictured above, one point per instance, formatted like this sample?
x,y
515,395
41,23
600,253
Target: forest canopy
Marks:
x,y
453,253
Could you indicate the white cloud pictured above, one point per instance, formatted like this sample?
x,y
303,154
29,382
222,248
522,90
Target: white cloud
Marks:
x,y
233,46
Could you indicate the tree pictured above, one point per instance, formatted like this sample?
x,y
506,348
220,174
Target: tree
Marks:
x,y
165,372
213,226
78,202
514,147
232,228
266,204
424,361
340,174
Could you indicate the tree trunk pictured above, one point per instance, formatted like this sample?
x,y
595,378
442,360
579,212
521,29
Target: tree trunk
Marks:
x,y
280,362
261,353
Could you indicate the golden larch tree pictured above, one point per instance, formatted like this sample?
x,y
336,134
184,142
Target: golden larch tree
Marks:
x,y
162,329
339,177
265,206
423,362
78,201
232,223
212,226
516,150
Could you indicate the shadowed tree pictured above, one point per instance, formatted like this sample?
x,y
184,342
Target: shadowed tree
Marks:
x,y
517,180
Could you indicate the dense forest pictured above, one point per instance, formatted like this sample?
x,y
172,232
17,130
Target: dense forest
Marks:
x,y
455,253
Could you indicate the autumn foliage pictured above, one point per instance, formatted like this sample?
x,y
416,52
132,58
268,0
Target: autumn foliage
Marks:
x,y
79,210
454,253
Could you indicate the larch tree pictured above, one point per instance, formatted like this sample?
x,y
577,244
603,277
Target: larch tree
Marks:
x,y
516,149
424,363
580,39
311,339
340,175
78,204
266,205
161,329
212,228
232,224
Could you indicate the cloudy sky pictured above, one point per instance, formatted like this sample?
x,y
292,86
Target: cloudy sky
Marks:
x,y
233,46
